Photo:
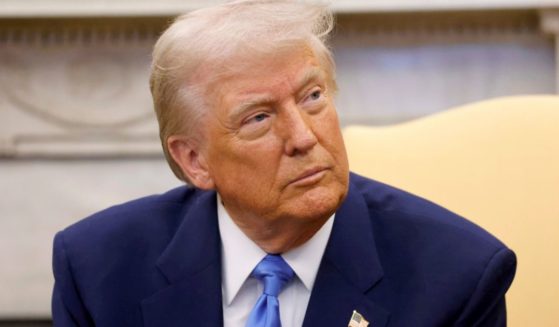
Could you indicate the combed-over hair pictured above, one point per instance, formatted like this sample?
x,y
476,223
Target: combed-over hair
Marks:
x,y
225,37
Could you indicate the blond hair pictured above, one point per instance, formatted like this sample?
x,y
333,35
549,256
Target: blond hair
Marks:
x,y
219,37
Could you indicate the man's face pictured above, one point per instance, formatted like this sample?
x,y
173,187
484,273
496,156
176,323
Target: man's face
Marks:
x,y
273,145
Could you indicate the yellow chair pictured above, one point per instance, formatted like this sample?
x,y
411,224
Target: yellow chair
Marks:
x,y
495,162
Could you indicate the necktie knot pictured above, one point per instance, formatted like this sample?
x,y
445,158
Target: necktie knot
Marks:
x,y
274,272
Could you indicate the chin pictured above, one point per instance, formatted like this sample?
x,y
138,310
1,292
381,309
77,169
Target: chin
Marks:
x,y
319,203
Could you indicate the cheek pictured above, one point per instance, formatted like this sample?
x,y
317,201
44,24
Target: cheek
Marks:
x,y
328,129
253,162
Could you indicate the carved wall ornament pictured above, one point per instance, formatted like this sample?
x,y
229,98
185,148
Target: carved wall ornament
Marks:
x,y
78,87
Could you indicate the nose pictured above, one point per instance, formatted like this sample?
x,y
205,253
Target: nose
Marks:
x,y
298,132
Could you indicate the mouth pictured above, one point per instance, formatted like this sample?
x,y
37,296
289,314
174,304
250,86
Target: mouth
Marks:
x,y
310,176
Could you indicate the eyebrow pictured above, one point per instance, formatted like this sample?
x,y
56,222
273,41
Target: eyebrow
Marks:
x,y
310,75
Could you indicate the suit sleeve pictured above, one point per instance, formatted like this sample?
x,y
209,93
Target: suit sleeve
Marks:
x,y
486,306
67,306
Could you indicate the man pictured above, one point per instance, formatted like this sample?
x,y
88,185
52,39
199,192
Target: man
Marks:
x,y
274,230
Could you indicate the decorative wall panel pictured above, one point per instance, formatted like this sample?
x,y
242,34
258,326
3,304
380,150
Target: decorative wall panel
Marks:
x,y
76,88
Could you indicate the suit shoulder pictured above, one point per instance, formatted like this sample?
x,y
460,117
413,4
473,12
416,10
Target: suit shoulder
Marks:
x,y
404,210
427,252
158,214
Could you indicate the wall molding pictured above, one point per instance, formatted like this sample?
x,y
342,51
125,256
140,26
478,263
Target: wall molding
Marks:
x,y
81,31
145,8
454,27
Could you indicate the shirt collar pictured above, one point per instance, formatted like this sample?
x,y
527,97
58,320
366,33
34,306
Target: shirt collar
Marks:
x,y
240,254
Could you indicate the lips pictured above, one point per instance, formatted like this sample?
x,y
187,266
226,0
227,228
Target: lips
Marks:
x,y
310,176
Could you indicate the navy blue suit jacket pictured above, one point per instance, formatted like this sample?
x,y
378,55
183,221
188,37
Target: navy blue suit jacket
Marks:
x,y
395,258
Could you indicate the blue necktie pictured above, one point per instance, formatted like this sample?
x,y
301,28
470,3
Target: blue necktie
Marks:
x,y
275,273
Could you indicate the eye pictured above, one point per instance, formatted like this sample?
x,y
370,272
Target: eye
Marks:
x,y
257,118
260,117
316,95
255,125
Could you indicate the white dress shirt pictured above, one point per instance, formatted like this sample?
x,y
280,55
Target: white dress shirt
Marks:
x,y
240,255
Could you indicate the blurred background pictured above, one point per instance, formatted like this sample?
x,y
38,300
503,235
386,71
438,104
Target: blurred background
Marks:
x,y
77,132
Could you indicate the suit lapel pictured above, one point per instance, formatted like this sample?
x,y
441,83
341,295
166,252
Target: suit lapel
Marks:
x,y
349,270
191,263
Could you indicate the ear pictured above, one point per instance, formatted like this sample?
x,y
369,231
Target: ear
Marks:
x,y
188,155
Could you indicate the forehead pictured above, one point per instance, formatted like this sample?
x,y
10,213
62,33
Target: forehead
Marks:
x,y
276,75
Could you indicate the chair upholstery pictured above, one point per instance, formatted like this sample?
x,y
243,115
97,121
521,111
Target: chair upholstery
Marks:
x,y
495,162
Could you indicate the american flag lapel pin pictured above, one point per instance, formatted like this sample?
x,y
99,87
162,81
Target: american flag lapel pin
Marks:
x,y
357,320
